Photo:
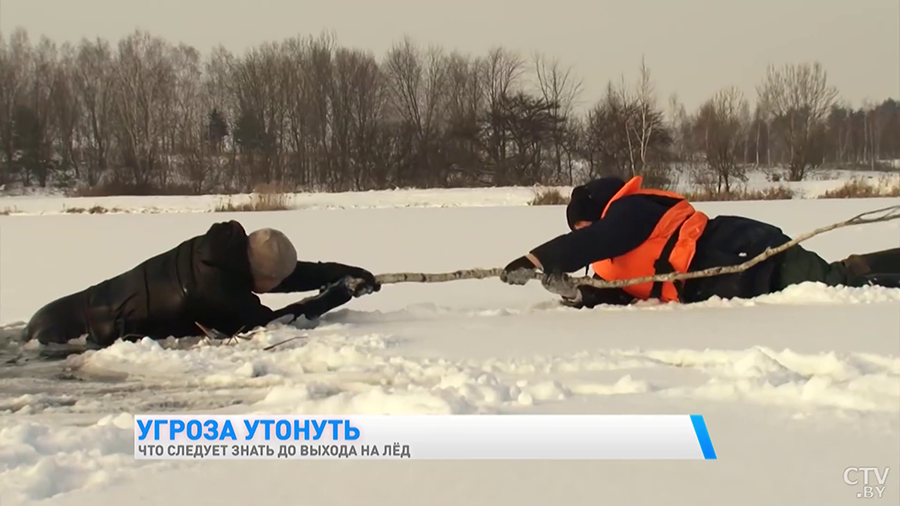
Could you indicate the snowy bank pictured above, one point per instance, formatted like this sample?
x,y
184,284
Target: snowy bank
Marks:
x,y
35,204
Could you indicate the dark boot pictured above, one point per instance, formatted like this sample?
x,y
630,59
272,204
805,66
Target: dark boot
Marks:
x,y
881,268
883,280
886,262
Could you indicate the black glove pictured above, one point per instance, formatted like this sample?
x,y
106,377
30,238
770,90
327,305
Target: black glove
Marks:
x,y
515,272
361,282
330,298
589,297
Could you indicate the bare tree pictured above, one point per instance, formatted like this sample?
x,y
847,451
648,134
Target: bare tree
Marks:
x,y
464,107
626,133
34,115
259,89
640,119
798,98
647,115
840,131
561,89
367,102
14,77
143,75
319,81
501,74
416,81
220,110
94,87
67,114
681,124
720,130
187,119
302,130
604,142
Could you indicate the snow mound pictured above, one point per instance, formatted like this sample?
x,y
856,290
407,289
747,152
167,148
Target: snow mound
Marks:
x,y
39,461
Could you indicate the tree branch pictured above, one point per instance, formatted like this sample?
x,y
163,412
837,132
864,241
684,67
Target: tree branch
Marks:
x,y
564,283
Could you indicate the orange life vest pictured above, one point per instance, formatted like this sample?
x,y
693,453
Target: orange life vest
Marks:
x,y
669,248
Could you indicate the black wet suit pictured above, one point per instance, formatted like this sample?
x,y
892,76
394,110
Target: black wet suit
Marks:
x,y
205,280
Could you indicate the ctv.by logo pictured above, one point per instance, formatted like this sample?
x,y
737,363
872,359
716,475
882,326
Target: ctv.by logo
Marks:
x,y
870,476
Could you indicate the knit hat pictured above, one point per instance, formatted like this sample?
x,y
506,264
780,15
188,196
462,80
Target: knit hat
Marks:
x,y
589,200
272,256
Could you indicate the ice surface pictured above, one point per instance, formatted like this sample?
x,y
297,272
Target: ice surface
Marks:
x,y
795,386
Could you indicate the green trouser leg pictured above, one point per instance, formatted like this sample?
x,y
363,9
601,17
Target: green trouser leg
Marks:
x,y
798,265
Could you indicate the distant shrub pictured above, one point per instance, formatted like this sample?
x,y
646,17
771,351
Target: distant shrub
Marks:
x,y
257,202
771,193
548,196
658,177
133,190
272,188
859,188
91,210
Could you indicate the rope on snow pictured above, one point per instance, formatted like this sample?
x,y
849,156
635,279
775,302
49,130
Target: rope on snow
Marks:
x,y
564,284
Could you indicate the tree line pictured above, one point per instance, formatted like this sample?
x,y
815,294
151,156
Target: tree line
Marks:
x,y
147,116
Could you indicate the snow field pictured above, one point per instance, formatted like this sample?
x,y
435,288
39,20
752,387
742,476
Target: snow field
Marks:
x,y
794,386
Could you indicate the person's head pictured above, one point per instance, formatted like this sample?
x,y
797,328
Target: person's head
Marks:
x,y
588,201
272,258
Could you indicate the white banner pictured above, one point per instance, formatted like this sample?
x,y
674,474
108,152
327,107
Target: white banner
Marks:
x,y
423,437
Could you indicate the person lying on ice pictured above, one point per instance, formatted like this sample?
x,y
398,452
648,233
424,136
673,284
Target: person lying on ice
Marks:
x,y
621,229
208,280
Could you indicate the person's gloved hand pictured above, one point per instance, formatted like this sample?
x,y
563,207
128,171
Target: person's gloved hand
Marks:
x,y
576,301
590,297
361,282
519,271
